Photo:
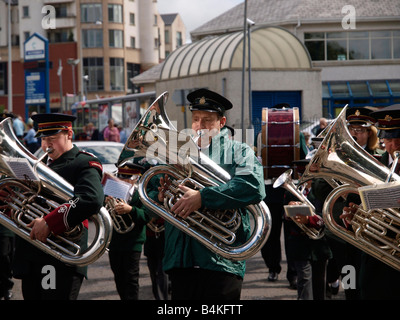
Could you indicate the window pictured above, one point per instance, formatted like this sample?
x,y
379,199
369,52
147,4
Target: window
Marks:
x,y
116,39
61,10
133,42
132,70
117,78
166,35
91,12
354,45
179,39
3,78
115,13
132,19
93,67
25,12
92,38
155,19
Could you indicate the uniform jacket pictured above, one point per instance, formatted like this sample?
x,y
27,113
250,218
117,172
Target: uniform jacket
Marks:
x,y
245,187
83,171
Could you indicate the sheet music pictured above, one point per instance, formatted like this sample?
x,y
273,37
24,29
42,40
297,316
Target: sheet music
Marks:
x,y
117,189
380,196
21,168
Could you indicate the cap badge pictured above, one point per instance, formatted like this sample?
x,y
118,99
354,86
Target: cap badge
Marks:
x,y
202,100
388,118
357,113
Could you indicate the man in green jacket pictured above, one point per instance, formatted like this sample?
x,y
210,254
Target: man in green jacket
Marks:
x,y
196,272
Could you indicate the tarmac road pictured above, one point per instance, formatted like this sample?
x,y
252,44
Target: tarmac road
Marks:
x,y
100,283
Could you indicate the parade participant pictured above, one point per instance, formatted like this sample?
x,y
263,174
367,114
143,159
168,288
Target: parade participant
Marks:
x,y
196,272
377,279
83,171
308,256
360,124
125,248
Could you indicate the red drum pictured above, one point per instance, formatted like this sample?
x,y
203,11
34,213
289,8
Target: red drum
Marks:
x,y
280,139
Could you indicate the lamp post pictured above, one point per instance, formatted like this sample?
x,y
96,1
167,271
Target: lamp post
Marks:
x,y
73,62
250,23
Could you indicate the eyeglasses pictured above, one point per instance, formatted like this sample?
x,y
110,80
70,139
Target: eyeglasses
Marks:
x,y
358,130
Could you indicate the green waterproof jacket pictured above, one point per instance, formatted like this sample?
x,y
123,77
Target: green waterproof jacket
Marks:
x,y
245,187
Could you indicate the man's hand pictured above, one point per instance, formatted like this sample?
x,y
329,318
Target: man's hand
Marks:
x,y
189,202
40,230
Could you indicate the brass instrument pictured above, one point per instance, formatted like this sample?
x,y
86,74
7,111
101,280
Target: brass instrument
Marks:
x,y
26,199
122,223
285,181
155,137
346,166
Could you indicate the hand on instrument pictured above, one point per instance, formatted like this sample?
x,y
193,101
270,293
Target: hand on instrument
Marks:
x,y
122,207
40,230
189,202
165,182
348,213
299,218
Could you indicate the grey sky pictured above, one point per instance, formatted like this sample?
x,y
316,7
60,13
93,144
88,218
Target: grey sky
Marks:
x,y
195,13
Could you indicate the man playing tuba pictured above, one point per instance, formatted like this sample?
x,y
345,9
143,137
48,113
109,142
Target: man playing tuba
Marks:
x,y
84,172
196,272
377,279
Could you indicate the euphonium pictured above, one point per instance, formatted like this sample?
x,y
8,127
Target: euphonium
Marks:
x,y
285,181
346,166
122,223
155,135
26,198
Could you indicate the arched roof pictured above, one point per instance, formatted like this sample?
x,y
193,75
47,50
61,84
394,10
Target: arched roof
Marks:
x,y
271,48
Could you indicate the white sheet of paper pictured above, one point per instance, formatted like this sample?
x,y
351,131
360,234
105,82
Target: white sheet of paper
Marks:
x,y
380,196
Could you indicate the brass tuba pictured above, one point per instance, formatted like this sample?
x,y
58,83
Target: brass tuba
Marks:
x,y
32,190
122,223
346,166
215,229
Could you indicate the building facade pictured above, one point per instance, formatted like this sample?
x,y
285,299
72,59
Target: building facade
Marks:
x,y
95,48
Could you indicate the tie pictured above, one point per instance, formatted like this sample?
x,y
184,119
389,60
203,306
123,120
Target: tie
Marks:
x,y
49,161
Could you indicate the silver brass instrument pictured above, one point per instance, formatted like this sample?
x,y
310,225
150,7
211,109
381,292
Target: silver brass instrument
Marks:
x,y
285,181
26,199
346,166
214,229
122,223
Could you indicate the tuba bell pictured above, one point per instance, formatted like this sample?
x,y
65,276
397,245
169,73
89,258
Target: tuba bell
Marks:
x,y
215,229
346,166
34,192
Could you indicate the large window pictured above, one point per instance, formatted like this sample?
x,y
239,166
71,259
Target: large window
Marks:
x,y
116,38
354,45
117,78
92,38
93,67
91,12
115,13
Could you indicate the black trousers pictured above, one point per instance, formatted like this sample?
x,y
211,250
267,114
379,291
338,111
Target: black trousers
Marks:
x,y
196,284
6,254
67,284
125,266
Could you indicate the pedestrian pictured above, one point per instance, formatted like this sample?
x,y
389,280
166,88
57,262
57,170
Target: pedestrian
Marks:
x,y
30,140
111,132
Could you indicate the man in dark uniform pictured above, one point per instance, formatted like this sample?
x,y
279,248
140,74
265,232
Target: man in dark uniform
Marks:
x,y
84,172
377,279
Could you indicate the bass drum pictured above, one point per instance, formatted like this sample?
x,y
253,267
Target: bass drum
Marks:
x,y
280,140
